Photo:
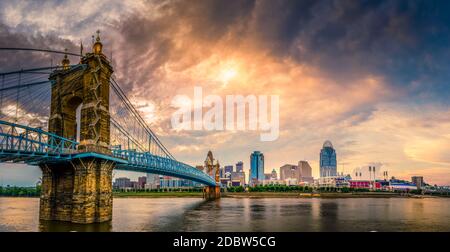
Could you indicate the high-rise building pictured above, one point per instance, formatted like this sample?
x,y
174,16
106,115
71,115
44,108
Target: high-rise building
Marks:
x,y
289,171
305,172
240,166
256,167
418,181
328,164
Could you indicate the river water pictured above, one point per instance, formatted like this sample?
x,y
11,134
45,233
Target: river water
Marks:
x,y
229,214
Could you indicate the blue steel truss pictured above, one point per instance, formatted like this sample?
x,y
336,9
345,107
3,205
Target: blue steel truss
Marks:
x,y
33,146
25,97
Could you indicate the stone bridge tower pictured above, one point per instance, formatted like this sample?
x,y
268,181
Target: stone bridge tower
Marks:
x,y
80,190
212,169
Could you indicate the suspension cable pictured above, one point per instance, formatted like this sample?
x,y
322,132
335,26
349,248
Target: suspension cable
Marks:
x,y
38,50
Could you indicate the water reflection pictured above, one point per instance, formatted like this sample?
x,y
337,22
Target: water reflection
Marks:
x,y
228,214
328,212
63,226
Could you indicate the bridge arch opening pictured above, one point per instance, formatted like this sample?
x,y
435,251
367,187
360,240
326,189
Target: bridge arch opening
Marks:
x,y
78,122
72,118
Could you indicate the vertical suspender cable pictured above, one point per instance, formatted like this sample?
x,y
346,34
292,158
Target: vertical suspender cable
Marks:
x,y
1,93
17,98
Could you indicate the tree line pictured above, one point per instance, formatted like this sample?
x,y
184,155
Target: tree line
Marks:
x,y
16,191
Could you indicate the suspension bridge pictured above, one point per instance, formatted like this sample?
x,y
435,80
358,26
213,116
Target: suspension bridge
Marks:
x,y
76,123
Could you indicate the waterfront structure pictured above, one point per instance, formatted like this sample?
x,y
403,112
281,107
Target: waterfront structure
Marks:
x,y
274,182
365,184
305,172
240,166
212,169
236,183
402,186
174,183
291,181
122,183
333,181
238,176
142,181
153,181
256,168
418,181
80,190
225,182
328,163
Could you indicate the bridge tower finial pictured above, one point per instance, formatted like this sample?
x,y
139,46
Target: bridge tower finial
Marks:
x,y
97,47
81,49
65,62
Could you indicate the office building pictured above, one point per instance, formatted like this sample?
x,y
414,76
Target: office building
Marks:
x,y
289,171
152,181
240,166
142,181
228,168
256,168
238,176
418,181
328,164
121,183
305,172
171,182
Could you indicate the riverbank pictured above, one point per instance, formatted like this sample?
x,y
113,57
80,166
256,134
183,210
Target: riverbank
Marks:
x,y
157,194
269,195
261,195
321,195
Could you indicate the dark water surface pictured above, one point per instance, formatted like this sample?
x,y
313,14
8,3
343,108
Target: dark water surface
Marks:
x,y
228,214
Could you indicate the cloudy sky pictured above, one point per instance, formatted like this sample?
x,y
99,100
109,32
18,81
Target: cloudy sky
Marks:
x,y
370,76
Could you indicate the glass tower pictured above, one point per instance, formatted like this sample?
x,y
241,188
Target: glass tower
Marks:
x,y
328,162
256,167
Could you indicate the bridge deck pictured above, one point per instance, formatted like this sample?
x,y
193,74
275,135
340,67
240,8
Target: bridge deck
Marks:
x,y
22,144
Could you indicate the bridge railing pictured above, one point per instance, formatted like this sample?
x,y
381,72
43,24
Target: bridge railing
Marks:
x,y
161,164
19,138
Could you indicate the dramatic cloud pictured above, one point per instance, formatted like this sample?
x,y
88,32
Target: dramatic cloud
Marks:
x,y
371,76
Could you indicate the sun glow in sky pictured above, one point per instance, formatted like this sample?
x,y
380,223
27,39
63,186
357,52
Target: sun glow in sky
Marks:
x,y
371,77
227,74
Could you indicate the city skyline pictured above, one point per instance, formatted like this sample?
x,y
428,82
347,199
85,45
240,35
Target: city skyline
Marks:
x,y
30,177
370,77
